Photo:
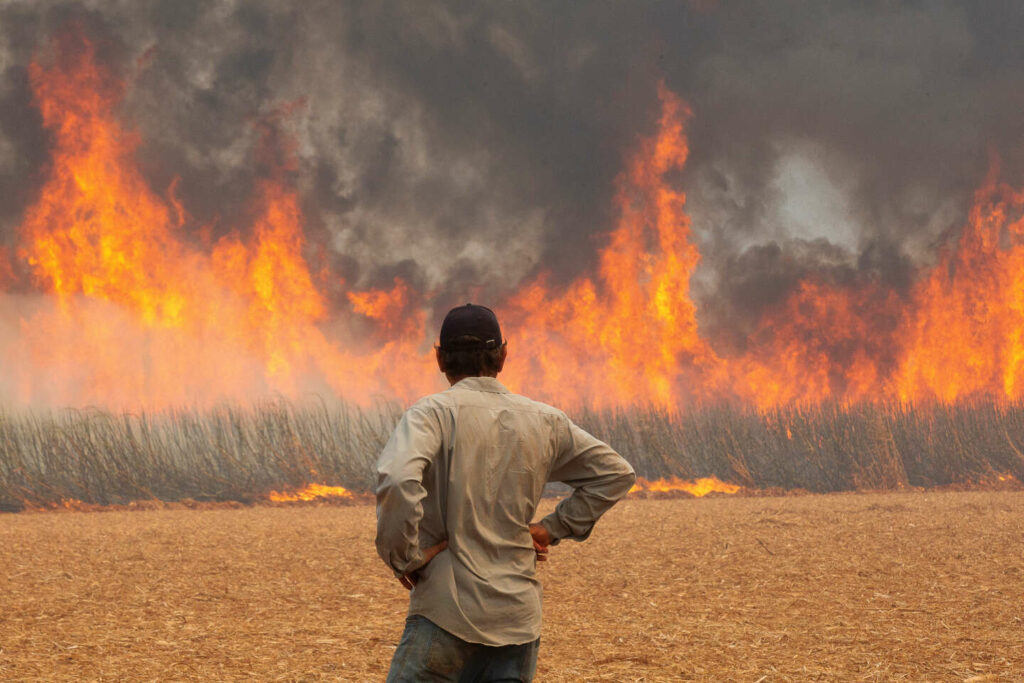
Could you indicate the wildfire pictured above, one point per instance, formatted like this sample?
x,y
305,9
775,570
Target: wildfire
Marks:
x,y
310,492
630,335
138,313
137,309
697,487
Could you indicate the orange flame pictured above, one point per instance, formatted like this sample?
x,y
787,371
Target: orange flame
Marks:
x,y
310,492
958,334
697,487
629,337
143,316
965,339
138,313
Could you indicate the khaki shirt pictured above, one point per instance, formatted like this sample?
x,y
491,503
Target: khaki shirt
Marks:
x,y
469,465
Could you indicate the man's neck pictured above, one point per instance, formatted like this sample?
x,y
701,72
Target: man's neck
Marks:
x,y
453,380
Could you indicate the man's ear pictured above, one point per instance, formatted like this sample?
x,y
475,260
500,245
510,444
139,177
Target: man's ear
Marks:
x,y
440,358
502,355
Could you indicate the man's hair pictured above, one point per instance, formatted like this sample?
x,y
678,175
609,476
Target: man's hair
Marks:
x,y
471,362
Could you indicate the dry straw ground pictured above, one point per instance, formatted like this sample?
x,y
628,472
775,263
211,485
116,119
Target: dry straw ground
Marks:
x,y
912,586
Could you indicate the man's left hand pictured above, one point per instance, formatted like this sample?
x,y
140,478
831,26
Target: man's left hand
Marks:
x,y
409,580
541,541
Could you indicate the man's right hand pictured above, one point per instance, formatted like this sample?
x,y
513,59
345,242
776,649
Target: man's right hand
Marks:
x,y
409,580
541,541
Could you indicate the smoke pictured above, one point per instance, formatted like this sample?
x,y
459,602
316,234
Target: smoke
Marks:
x,y
469,146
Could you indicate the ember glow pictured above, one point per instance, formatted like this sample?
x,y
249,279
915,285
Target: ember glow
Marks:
x,y
697,487
310,492
132,309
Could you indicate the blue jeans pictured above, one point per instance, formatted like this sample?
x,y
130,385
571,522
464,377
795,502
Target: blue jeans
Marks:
x,y
427,652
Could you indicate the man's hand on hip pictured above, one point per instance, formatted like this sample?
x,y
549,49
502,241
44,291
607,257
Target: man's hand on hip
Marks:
x,y
541,541
409,580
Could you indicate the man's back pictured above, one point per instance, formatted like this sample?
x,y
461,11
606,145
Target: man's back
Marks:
x,y
473,461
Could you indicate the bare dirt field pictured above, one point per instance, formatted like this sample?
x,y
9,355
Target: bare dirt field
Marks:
x,y
914,586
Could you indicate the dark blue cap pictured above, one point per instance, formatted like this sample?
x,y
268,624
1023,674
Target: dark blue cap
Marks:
x,y
475,327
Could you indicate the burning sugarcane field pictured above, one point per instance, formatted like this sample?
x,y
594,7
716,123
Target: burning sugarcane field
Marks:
x,y
758,268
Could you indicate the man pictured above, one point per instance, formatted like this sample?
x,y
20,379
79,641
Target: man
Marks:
x,y
457,487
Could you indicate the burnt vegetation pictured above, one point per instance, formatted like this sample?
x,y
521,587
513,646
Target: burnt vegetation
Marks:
x,y
49,459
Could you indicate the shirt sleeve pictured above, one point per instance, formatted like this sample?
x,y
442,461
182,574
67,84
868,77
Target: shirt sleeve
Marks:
x,y
599,477
413,446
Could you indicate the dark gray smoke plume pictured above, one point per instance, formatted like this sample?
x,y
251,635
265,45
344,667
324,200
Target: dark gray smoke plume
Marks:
x,y
467,146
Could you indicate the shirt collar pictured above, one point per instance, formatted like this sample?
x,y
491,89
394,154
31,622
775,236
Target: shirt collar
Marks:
x,y
489,384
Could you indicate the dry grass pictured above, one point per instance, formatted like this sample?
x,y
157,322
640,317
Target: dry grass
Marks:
x,y
912,586
242,453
